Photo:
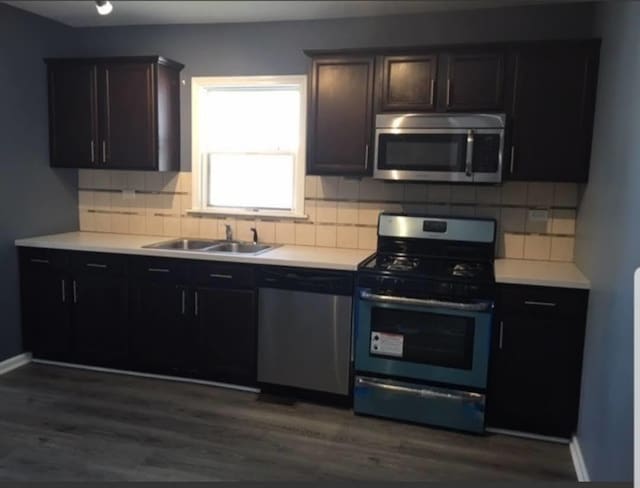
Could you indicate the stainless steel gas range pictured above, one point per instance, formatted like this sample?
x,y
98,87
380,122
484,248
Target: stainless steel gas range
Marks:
x,y
424,311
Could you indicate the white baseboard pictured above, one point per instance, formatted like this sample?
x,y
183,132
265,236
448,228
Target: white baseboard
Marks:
x,y
578,461
148,375
527,435
15,362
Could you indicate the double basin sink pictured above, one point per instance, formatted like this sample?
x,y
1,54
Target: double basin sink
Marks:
x,y
230,247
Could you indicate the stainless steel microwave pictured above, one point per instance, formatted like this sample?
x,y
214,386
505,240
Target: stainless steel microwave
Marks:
x,y
464,148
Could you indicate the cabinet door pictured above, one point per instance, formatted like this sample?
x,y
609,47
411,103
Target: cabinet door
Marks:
x,y
340,116
552,107
128,115
409,83
226,321
45,297
72,115
161,337
474,81
100,319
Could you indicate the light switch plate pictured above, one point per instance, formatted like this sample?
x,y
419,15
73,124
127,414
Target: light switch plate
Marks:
x,y
128,194
538,215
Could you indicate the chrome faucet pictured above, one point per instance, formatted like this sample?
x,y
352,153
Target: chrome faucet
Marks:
x,y
228,232
255,235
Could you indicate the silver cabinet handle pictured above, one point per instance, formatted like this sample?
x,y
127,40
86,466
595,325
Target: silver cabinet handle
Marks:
x,y
432,91
64,292
97,265
540,304
513,150
422,392
221,276
39,261
366,156
195,303
501,334
184,302
469,161
158,270
471,307
75,292
448,92
93,152
104,151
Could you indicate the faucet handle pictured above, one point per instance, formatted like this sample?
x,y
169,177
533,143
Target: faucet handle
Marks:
x,y
255,235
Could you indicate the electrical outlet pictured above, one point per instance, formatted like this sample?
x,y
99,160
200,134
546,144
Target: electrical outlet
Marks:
x,y
538,215
128,194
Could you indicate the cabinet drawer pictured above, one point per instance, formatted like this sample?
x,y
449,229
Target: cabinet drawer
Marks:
x,y
159,268
542,301
32,258
223,275
99,263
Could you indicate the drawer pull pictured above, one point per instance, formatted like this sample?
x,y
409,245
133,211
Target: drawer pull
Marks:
x,y
540,304
159,270
96,265
39,261
222,276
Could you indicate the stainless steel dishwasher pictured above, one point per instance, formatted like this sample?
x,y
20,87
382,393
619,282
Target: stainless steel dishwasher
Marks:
x,y
304,328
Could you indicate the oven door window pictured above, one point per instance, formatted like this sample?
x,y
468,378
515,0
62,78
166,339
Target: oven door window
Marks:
x,y
441,152
422,337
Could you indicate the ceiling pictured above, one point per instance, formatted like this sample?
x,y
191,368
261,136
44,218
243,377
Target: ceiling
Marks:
x,y
83,13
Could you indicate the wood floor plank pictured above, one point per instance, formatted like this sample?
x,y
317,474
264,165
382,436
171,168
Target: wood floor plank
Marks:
x,y
64,424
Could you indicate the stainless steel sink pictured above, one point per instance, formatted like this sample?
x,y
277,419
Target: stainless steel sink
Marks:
x,y
203,245
183,244
240,247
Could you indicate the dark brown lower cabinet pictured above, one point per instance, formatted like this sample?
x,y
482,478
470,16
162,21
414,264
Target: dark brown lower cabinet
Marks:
x,y
161,331
45,297
534,382
226,322
173,317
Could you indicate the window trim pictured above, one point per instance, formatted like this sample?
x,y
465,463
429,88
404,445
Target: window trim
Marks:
x,y
201,83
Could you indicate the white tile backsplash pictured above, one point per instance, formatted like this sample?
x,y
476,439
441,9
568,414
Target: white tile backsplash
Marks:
x,y
342,212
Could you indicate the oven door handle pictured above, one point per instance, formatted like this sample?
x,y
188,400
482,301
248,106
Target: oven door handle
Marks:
x,y
425,302
421,392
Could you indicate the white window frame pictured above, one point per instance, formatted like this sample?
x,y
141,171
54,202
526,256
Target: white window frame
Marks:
x,y
198,166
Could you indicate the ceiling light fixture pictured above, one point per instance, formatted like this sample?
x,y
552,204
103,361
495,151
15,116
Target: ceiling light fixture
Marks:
x,y
104,7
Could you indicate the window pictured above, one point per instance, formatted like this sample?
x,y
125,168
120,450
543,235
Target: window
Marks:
x,y
249,145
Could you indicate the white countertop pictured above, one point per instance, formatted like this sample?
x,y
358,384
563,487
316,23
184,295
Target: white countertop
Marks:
x,y
298,256
515,271
540,273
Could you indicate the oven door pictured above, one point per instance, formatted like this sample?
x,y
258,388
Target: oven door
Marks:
x,y
449,154
427,340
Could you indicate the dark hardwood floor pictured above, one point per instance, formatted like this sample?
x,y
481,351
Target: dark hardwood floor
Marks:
x,y
63,424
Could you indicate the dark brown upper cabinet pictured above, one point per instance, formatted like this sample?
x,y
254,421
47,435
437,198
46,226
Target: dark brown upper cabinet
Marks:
x,y
472,81
73,114
408,82
551,108
115,113
340,115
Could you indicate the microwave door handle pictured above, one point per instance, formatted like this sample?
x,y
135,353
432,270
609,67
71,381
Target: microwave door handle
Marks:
x,y
469,307
469,162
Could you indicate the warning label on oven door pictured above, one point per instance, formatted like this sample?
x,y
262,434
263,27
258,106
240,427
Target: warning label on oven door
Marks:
x,y
387,344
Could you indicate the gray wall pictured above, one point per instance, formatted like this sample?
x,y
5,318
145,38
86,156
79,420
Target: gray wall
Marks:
x,y
608,249
276,47
34,199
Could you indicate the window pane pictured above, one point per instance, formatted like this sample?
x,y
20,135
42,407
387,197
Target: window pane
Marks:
x,y
251,119
251,180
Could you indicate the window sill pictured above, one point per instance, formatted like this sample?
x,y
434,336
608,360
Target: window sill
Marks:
x,y
239,213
